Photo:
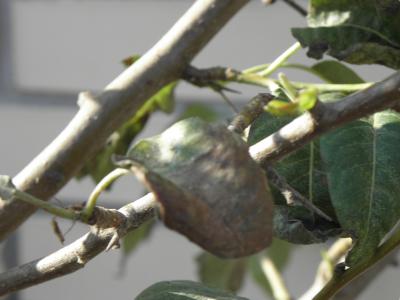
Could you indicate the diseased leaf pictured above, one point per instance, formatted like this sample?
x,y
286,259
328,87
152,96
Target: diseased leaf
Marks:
x,y
225,274
358,32
303,170
363,164
184,290
279,252
118,143
209,187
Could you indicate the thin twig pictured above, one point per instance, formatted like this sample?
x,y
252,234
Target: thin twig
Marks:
x,y
291,195
296,7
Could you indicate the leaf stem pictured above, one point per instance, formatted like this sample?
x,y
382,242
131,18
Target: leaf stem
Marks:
x,y
54,210
340,280
100,187
278,62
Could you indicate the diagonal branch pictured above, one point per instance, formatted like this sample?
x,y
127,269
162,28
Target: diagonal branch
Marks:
x,y
325,117
102,114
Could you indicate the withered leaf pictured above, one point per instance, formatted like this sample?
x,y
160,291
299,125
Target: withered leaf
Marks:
x,y
209,188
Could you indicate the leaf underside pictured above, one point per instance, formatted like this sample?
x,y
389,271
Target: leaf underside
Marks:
x,y
358,32
363,165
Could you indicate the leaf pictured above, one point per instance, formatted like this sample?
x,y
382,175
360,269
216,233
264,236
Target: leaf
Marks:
x,y
184,290
209,187
133,238
363,165
358,32
279,253
336,72
304,171
118,143
282,108
307,99
225,274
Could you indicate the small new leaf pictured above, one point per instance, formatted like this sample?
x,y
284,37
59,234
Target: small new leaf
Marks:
x,y
281,108
307,99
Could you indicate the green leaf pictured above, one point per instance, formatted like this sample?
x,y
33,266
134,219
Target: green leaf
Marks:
x,y
363,165
307,99
304,171
282,108
118,143
279,252
133,238
209,187
335,72
225,274
358,32
184,290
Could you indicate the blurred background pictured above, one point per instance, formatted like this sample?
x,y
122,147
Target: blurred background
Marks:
x,y
51,50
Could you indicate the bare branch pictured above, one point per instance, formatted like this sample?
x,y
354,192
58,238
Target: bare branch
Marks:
x,y
75,256
325,117
102,114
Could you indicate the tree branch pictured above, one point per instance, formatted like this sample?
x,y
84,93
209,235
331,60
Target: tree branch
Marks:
x,y
102,114
75,256
325,117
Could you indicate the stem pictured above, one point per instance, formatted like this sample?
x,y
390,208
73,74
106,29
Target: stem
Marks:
x,y
256,79
339,281
281,60
296,7
54,210
288,87
331,87
100,187
274,277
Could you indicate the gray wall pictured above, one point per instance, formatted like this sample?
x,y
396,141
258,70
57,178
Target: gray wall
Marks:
x,y
50,50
